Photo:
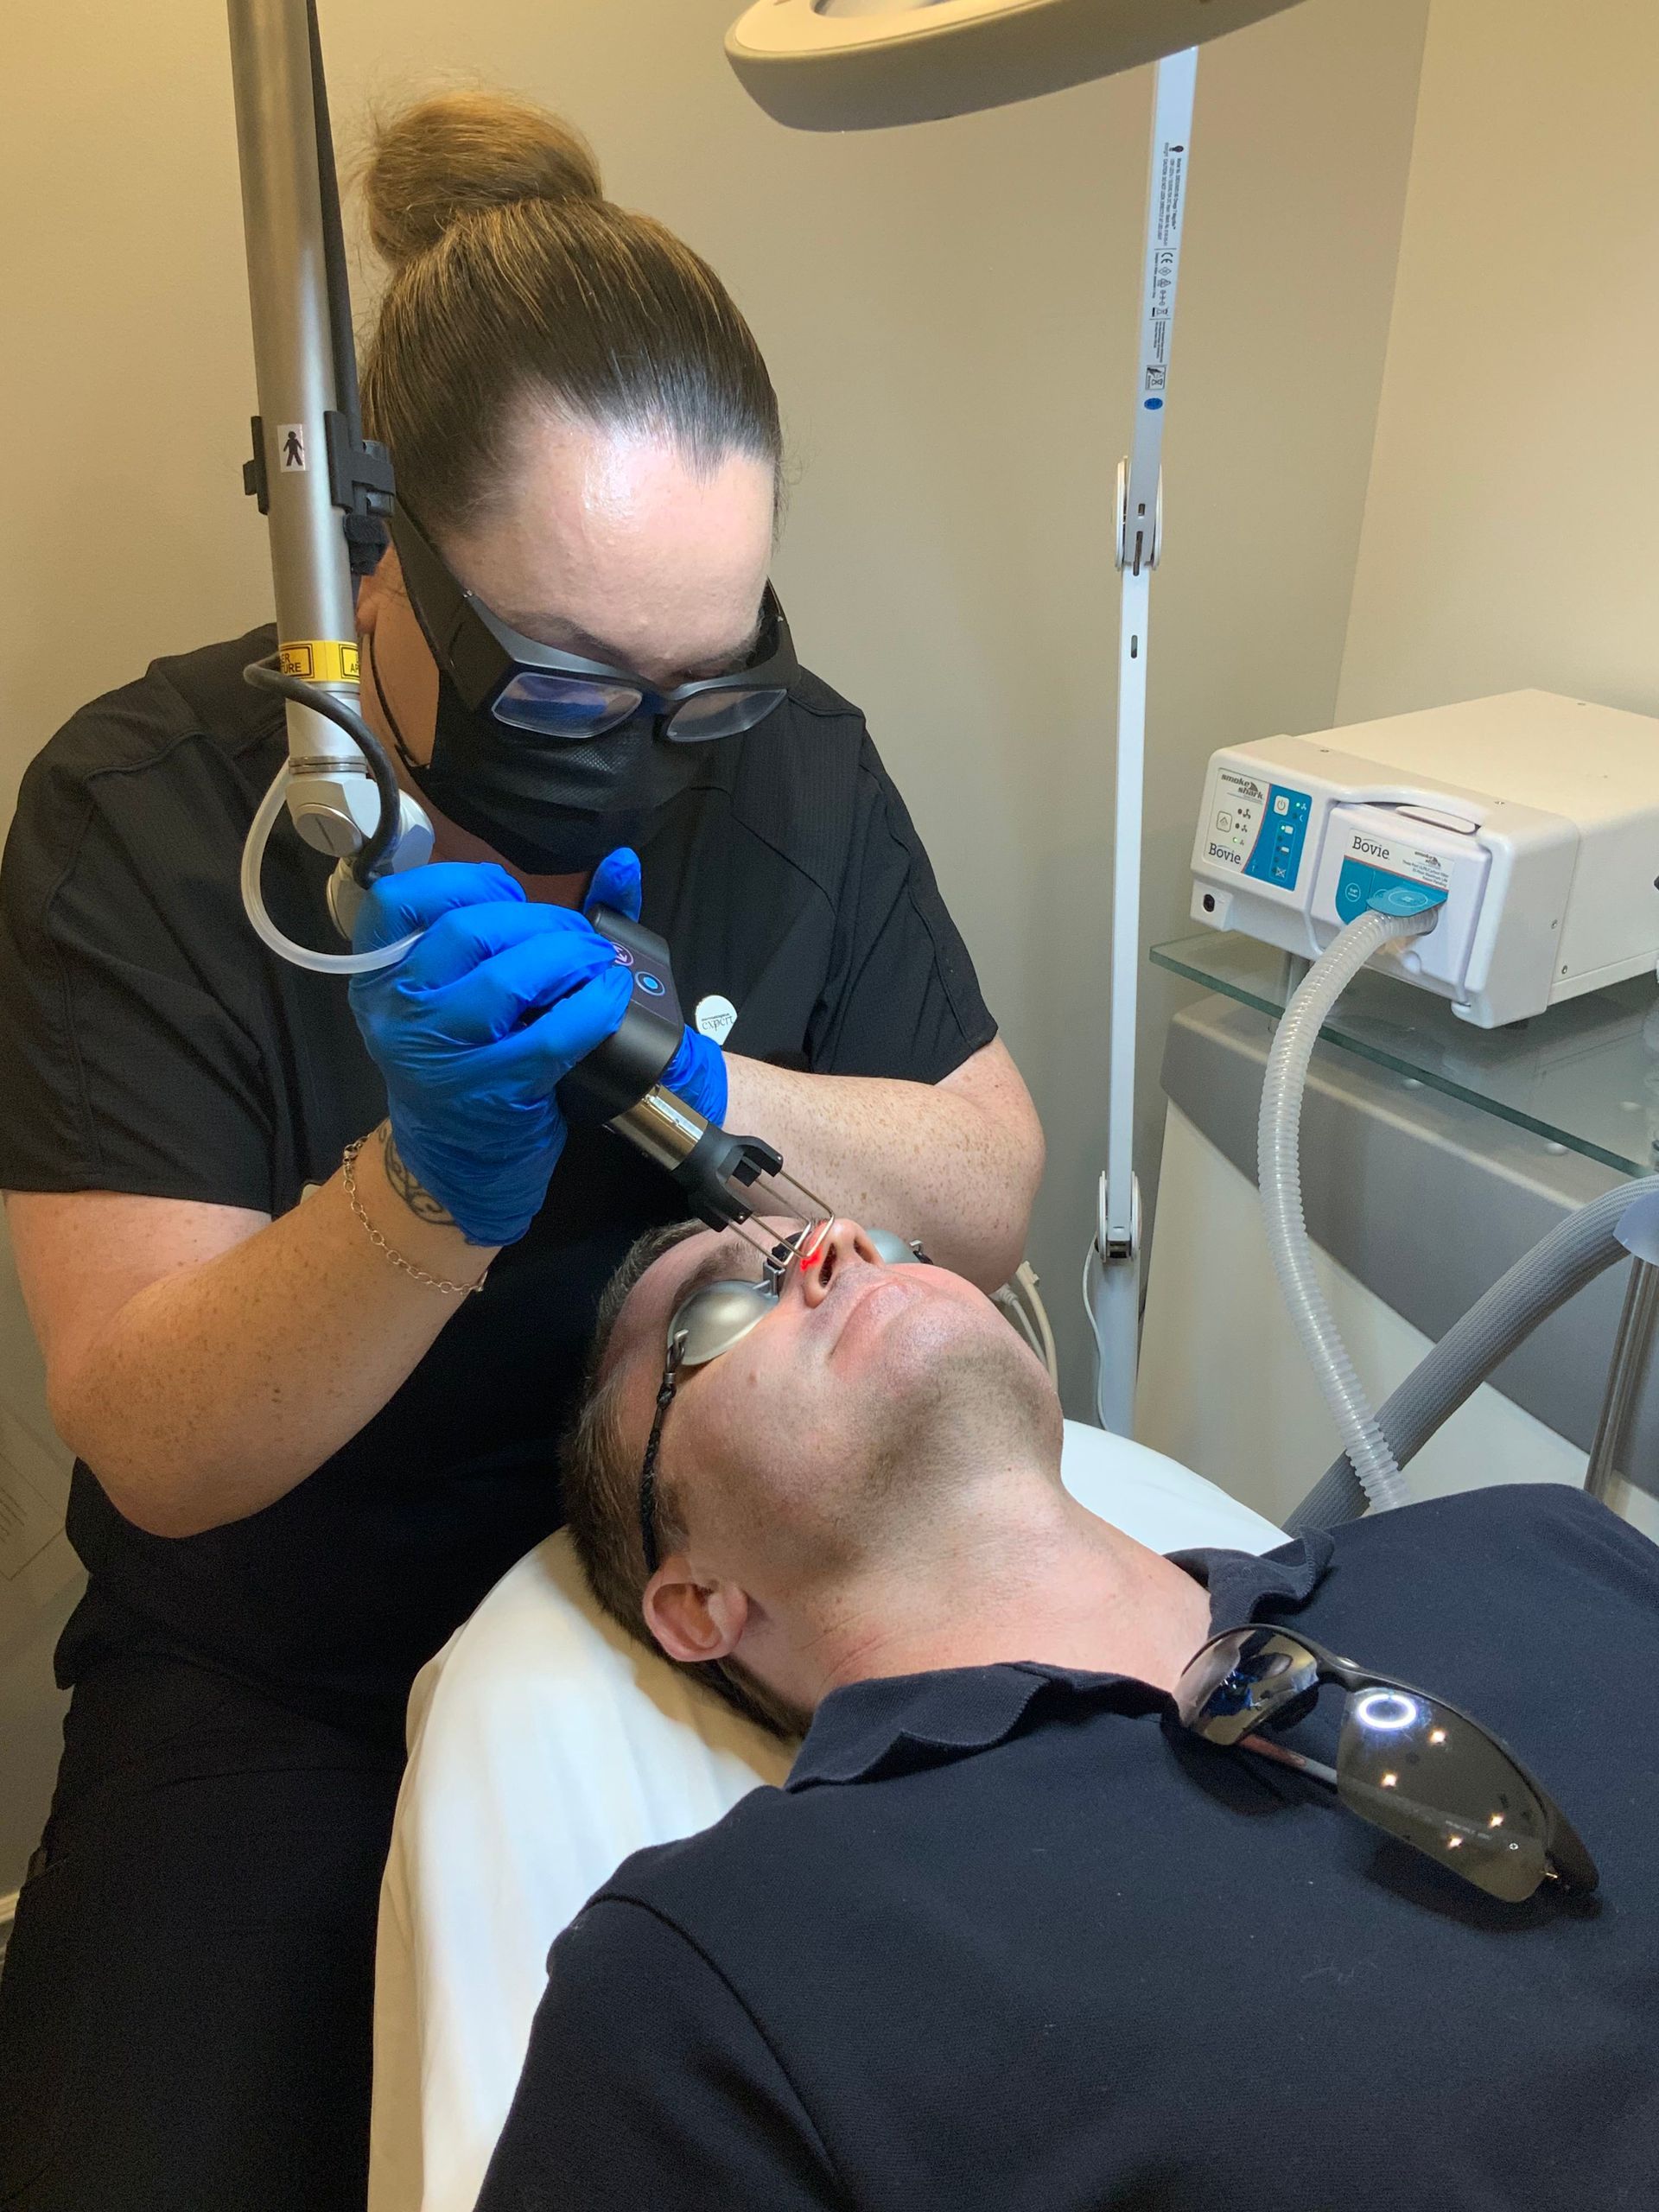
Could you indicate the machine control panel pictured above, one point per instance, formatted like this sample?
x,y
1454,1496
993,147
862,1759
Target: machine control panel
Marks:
x,y
1276,855
1255,828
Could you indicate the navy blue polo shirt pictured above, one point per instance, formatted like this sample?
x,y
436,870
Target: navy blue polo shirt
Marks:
x,y
1008,1937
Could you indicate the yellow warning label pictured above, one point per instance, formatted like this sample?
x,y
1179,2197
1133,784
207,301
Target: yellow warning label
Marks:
x,y
319,660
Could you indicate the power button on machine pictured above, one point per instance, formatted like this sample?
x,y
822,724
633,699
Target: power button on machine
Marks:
x,y
652,984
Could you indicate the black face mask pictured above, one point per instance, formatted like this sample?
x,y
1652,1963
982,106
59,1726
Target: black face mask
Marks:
x,y
549,808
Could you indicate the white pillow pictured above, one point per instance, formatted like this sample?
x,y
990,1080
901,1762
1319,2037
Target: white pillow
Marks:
x,y
545,1746
1157,1500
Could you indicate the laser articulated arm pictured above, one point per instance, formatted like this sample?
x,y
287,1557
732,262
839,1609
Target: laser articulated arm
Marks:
x,y
323,488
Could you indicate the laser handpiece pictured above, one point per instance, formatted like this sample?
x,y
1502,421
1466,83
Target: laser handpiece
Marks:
x,y
620,1084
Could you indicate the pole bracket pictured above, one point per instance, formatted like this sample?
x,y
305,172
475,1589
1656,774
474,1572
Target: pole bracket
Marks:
x,y
255,483
360,484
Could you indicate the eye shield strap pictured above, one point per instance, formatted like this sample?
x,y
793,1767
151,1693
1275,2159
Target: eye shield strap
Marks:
x,y
648,1473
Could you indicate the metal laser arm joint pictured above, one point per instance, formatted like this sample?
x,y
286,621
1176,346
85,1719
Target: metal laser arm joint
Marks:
x,y
621,1085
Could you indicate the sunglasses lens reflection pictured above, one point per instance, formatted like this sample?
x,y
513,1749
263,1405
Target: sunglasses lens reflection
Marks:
x,y
1425,1774
1240,1681
565,707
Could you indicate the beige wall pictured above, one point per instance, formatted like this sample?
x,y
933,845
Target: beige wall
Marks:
x,y
126,373
1512,530
950,315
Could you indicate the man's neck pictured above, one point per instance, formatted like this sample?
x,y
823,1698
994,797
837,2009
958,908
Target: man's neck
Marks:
x,y
1024,1572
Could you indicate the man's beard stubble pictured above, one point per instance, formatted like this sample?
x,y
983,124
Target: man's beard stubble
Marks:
x,y
981,1404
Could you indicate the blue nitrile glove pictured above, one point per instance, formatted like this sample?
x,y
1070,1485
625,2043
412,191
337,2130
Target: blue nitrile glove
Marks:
x,y
616,883
473,1028
697,1071
698,1074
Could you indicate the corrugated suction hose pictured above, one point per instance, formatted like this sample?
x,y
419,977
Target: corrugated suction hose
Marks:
x,y
1279,1176
1578,1249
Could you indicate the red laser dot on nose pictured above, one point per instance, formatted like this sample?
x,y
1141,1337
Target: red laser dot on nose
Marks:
x,y
814,1245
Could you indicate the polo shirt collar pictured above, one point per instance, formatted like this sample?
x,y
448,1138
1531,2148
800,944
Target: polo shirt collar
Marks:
x,y
901,1723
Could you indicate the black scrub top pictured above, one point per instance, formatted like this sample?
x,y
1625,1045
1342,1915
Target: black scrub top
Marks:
x,y
148,1042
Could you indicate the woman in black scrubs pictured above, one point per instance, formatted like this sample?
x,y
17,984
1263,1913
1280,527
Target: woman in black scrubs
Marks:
x,y
306,1449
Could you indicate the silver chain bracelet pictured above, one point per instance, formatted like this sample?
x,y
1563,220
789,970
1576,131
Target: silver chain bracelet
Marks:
x,y
348,1176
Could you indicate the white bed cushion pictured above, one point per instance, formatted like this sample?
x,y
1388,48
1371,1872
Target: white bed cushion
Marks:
x,y
544,1747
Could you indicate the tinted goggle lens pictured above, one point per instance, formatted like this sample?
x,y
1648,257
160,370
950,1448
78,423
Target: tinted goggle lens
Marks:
x,y
708,714
568,709
1427,1776
564,707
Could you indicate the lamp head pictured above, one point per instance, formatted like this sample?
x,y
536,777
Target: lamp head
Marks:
x,y
858,65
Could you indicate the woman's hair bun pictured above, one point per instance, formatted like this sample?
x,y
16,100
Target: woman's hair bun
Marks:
x,y
457,153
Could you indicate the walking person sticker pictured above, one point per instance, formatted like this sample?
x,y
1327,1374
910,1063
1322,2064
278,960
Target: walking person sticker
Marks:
x,y
290,447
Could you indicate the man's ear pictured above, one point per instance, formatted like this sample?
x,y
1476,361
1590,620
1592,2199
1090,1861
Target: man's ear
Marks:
x,y
694,1621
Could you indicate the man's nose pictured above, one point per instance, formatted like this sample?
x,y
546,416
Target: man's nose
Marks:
x,y
832,1245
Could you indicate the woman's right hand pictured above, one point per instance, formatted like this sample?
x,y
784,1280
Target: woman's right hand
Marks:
x,y
206,1358
474,1029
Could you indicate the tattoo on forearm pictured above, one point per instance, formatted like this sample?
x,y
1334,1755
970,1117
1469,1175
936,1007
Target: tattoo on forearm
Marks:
x,y
414,1193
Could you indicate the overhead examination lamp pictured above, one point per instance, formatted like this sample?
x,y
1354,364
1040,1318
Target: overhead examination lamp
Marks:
x,y
856,65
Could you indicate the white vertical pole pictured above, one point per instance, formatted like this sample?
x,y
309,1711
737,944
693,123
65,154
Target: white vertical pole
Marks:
x,y
1113,1277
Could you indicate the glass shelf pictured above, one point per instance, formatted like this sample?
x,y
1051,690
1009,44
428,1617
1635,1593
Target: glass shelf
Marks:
x,y
1585,1075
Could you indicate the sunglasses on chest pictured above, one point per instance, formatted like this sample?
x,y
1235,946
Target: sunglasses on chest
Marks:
x,y
1406,1762
545,695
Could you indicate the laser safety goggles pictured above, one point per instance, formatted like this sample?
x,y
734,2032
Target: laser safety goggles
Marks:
x,y
715,1316
1410,1764
551,696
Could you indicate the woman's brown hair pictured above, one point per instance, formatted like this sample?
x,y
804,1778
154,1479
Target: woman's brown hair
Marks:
x,y
515,284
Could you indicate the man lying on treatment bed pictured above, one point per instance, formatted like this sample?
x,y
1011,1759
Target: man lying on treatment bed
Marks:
x,y
1013,1934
